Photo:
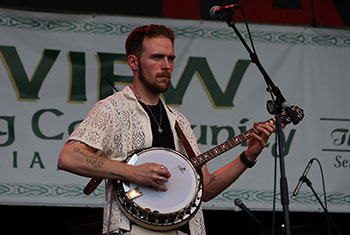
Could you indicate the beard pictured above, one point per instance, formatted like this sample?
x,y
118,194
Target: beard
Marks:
x,y
154,86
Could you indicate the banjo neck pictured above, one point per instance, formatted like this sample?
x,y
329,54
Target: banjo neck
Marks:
x,y
203,158
200,160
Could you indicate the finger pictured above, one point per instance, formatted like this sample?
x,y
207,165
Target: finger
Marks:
x,y
263,130
163,171
270,126
158,183
162,179
161,187
267,125
159,178
259,139
266,129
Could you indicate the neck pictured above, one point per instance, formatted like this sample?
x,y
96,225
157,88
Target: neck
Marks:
x,y
146,97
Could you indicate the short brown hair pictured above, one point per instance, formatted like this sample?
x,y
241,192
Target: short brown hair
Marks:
x,y
133,44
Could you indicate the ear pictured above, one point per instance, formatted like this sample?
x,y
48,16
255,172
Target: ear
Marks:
x,y
133,62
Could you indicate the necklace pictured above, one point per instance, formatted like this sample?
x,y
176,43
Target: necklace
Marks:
x,y
160,130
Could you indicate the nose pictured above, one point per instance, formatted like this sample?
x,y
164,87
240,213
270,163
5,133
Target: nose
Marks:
x,y
166,65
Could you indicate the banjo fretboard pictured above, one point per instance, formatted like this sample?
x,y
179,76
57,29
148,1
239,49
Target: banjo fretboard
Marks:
x,y
201,159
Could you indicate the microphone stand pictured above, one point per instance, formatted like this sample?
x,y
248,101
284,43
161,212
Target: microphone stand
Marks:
x,y
278,109
309,184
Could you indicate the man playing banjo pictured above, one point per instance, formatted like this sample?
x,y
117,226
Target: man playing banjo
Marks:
x,y
136,118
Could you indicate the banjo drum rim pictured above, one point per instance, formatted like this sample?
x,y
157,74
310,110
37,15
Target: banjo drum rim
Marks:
x,y
178,218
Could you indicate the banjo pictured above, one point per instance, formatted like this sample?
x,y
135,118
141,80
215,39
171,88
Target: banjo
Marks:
x,y
167,210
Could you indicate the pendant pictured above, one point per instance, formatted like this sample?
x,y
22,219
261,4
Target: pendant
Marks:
x,y
160,130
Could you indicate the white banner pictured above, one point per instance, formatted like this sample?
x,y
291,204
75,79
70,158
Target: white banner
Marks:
x,y
53,68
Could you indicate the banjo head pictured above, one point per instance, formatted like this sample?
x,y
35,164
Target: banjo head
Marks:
x,y
162,210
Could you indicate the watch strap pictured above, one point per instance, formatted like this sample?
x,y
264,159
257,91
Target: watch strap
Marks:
x,y
245,160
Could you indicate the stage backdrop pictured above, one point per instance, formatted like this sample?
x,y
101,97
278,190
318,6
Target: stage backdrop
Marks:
x,y
53,69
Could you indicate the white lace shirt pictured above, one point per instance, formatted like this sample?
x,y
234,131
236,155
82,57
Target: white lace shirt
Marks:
x,y
118,126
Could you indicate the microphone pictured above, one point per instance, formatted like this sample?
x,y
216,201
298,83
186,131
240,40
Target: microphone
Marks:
x,y
238,202
302,178
217,12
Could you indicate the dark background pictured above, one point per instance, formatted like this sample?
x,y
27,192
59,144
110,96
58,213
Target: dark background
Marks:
x,y
316,13
84,220
41,220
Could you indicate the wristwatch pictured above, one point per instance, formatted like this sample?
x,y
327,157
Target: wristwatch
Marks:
x,y
245,160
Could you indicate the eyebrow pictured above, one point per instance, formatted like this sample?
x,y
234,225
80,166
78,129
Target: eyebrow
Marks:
x,y
163,55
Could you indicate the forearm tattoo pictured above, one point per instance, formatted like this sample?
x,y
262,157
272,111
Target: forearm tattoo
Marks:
x,y
93,160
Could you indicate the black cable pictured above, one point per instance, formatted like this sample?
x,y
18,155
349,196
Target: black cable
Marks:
x,y
324,193
325,201
324,206
254,58
248,30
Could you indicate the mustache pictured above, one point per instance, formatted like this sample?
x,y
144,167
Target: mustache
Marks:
x,y
164,74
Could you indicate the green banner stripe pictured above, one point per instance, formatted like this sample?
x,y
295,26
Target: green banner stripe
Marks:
x,y
76,192
108,28
48,191
266,197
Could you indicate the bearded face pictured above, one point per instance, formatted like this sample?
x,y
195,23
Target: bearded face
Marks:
x,y
156,64
158,84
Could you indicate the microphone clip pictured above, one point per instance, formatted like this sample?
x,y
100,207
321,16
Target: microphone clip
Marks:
x,y
304,179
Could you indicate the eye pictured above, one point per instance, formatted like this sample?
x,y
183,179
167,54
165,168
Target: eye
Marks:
x,y
171,58
157,57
